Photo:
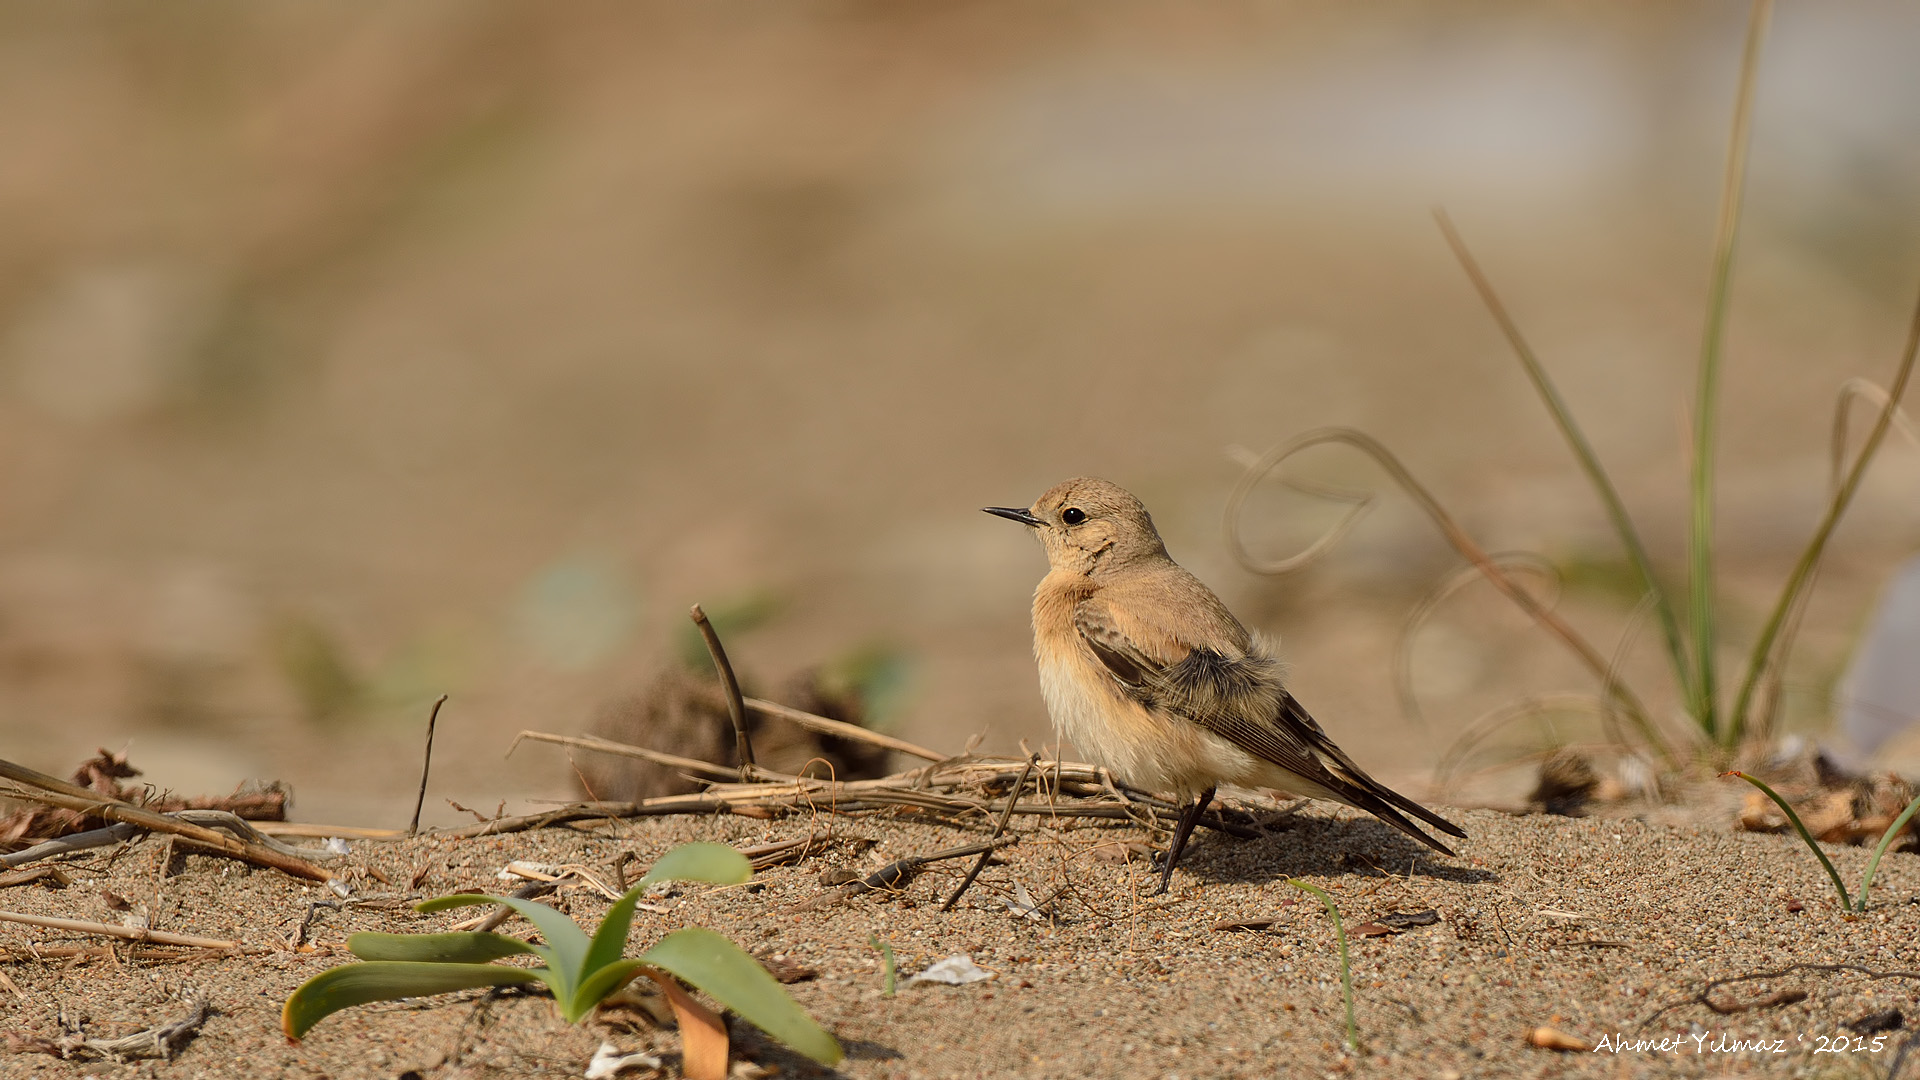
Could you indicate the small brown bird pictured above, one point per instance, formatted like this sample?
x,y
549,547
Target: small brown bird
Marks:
x,y
1150,675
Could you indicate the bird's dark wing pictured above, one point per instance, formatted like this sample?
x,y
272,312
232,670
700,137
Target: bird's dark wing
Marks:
x,y
1239,698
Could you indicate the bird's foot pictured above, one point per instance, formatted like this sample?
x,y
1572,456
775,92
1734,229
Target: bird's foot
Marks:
x,y
1164,874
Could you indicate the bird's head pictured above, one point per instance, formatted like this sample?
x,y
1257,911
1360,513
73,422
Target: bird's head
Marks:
x,y
1089,525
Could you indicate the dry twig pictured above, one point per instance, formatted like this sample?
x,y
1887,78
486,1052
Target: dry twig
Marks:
x,y
426,764
998,828
736,709
128,933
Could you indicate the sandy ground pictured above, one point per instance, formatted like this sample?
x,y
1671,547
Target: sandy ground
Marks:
x,y
1606,928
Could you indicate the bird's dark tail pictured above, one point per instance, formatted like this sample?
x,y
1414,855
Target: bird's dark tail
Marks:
x,y
1363,791
1380,801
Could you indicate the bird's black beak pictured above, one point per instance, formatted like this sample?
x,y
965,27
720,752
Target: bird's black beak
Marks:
x,y
1012,513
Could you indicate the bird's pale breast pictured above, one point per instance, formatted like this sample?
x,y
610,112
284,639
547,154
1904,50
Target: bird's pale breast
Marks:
x,y
1144,749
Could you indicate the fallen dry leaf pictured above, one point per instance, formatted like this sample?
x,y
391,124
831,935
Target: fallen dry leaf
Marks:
x,y
1554,1039
1248,924
703,1034
787,971
1407,920
1116,851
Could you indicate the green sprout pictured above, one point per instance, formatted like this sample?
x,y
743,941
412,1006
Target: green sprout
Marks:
x,y
580,971
1346,967
1873,864
886,958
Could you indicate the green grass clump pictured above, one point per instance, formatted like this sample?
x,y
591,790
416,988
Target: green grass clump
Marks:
x,y
1691,643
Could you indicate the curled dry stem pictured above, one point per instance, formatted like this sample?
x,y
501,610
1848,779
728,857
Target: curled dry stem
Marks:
x,y
1489,723
1464,544
1454,581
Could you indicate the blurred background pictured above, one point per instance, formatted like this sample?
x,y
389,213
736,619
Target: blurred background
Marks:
x,y
353,355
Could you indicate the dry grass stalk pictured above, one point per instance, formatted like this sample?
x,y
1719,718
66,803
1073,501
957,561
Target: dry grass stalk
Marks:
x,y
844,730
608,746
128,933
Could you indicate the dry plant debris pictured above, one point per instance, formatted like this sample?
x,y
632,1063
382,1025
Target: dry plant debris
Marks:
x,y
101,774
161,1041
1837,807
1101,971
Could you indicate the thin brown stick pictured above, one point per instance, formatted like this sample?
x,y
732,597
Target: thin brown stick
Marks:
x,y
691,804
127,933
787,797
781,852
39,787
736,709
607,746
165,954
50,872
426,764
998,828
502,912
843,730
311,831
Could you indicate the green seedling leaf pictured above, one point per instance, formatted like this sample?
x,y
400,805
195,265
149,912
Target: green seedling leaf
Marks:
x,y
457,948
599,982
580,971
716,965
1846,903
610,939
886,963
358,984
567,945
717,863
688,863
1886,841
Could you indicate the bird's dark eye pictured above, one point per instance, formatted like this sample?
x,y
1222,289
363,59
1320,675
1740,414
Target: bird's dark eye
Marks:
x,y
1073,515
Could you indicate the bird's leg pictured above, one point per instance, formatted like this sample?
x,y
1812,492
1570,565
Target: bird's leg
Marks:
x,y
1180,833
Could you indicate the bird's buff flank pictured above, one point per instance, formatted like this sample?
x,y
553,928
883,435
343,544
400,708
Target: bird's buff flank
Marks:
x,y
1150,675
